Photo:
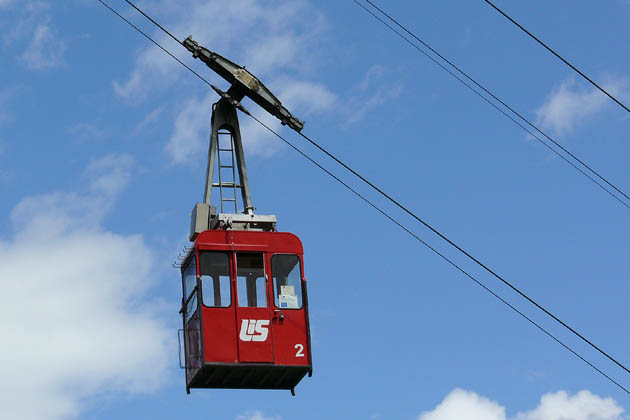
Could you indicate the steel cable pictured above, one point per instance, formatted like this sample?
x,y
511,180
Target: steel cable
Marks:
x,y
441,255
242,109
496,98
588,79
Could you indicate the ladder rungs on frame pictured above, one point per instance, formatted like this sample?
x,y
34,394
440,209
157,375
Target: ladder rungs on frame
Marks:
x,y
225,185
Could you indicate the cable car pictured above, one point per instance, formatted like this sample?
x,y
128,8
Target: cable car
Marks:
x,y
245,311
244,299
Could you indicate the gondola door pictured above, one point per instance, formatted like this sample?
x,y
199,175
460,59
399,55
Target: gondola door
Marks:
x,y
253,312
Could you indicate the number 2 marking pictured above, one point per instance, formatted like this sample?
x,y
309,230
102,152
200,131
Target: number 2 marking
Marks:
x,y
300,349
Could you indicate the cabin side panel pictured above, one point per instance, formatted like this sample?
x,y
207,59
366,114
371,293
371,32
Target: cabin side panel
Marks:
x,y
219,335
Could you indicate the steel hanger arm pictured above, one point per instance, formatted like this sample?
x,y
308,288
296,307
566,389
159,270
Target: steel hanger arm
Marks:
x,y
243,82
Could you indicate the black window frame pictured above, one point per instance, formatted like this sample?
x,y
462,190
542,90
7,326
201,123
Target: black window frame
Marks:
x,y
263,255
231,279
273,283
191,260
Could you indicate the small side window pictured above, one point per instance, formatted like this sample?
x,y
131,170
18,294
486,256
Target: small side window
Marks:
x,y
190,281
250,279
214,268
287,281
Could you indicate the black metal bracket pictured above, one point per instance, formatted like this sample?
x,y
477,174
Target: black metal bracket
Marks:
x,y
243,83
185,305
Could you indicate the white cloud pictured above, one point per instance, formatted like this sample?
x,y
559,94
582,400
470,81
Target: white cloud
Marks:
x,y
568,105
584,405
306,97
110,174
86,131
148,120
278,42
24,20
45,50
460,404
191,132
154,69
257,140
271,38
255,415
272,52
32,25
74,318
370,92
274,39
374,73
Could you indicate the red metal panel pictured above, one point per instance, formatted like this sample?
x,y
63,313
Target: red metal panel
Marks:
x,y
250,241
290,338
255,340
219,333
290,327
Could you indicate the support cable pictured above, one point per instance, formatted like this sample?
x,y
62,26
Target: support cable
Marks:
x,y
487,91
463,251
557,55
213,87
434,250
152,21
242,109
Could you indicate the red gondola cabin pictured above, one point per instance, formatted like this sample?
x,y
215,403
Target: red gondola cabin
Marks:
x,y
244,304
245,311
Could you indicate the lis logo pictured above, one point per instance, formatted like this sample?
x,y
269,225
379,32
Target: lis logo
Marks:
x,y
254,330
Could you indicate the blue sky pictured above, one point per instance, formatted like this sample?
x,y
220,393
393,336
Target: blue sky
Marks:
x,y
103,144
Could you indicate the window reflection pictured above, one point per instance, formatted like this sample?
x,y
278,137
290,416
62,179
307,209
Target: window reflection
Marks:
x,y
287,281
190,281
